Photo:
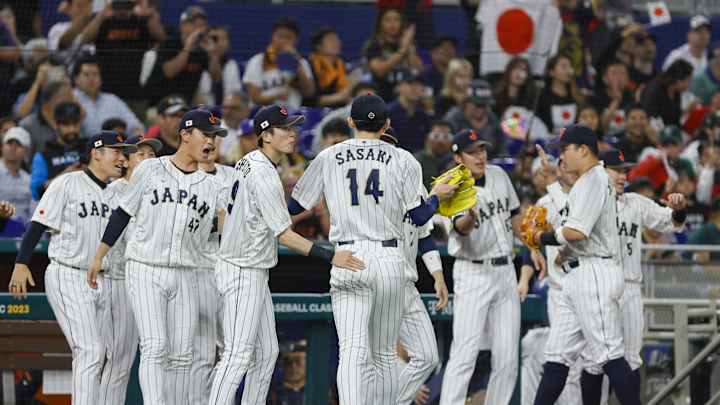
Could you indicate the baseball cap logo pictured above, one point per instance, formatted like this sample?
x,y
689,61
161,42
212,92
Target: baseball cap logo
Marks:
x,y
119,138
98,143
473,136
621,156
212,119
188,123
283,111
371,115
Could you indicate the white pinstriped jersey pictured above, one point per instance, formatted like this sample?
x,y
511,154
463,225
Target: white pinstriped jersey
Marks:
x,y
411,236
76,210
636,212
592,210
369,186
224,175
256,216
173,212
555,201
116,255
492,235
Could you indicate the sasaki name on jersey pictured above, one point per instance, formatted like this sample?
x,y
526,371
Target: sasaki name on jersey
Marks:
x,y
362,154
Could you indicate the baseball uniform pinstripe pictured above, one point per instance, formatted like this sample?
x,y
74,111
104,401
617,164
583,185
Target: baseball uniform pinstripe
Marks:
x,y
257,215
369,186
76,209
417,335
208,328
533,358
118,323
485,295
174,212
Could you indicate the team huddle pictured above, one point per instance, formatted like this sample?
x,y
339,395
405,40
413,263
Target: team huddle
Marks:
x,y
175,254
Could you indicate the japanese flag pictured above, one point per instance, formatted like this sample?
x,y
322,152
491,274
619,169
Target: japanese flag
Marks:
x,y
658,13
563,115
527,28
617,123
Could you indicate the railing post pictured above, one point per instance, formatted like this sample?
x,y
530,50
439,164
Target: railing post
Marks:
x,y
681,349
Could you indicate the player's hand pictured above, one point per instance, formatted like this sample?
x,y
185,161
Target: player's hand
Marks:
x,y
522,290
346,260
548,169
93,272
539,262
21,276
441,290
6,209
675,201
422,396
443,190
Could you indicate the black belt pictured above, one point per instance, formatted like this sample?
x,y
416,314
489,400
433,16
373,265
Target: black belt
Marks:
x,y
385,243
495,261
573,264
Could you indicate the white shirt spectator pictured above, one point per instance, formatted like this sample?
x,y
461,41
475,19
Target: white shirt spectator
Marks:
x,y
273,81
230,80
55,33
106,106
683,52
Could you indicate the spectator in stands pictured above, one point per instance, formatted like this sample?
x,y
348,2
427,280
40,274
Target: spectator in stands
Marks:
x,y
612,96
60,155
14,180
437,154
181,61
35,54
41,124
409,119
456,86
475,113
99,105
9,52
26,17
391,47
6,123
708,234
62,34
212,91
574,39
642,70
291,389
709,133
589,116
241,137
122,32
695,50
170,110
443,50
665,165
27,102
637,135
707,83
333,84
280,75
7,210
516,88
557,104
663,96
336,131
115,125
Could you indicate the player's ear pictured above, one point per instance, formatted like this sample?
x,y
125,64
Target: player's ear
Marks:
x,y
351,123
386,126
457,158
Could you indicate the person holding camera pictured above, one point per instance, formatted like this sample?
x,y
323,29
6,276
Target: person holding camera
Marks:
x,y
182,61
214,89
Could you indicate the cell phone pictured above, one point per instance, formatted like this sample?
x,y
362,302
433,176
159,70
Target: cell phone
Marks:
x,y
123,5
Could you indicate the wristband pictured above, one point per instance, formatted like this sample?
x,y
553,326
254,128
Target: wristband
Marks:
x,y
549,239
321,252
679,216
432,261
560,237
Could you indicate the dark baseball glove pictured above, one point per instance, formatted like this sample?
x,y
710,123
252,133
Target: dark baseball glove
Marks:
x,y
533,222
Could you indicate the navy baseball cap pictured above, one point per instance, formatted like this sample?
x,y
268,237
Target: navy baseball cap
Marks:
x,y
151,142
577,135
466,139
390,137
203,120
480,92
615,159
369,108
275,116
108,139
67,112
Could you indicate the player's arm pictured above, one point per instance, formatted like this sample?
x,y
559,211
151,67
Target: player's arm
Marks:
x,y
677,203
586,202
463,223
309,188
526,273
428,251
299,244
419,208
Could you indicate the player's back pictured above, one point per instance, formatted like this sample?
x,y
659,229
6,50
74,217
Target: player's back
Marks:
x,y
369,186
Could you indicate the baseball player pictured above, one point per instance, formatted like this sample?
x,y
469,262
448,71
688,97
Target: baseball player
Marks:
x,y
481,240
588,311
174,205
117,323
369,187
635,212
208,330
75,209
257,218
417,335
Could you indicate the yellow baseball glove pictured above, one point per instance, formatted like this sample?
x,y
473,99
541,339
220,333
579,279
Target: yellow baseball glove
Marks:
x,y
533,222
465,196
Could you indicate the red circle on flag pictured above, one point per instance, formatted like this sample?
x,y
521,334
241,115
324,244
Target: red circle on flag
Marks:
x,y
515,31
618,119
658,11
566,115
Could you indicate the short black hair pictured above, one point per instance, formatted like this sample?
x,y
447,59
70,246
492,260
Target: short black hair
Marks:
x,y
443,123
634,106
441,39
111,123
86,59
287,23
318,37
369,126
337,126
364,86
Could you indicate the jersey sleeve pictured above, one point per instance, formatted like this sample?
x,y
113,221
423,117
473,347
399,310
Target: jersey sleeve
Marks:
x,y
270,199
586,204
49,210
654,216
412,184
309,188
132,197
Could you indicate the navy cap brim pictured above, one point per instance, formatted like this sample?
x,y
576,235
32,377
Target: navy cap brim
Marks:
x,y
389,139
624,165
477,143
151,142
292,121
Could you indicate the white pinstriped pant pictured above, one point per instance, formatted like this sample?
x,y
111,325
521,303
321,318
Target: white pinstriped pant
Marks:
x,y
367,307
164,302
486,306
121,337
77,308
206,337
250,339
417,336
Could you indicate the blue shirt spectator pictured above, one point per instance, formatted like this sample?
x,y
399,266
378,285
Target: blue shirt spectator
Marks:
x,y
14,181
409,119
